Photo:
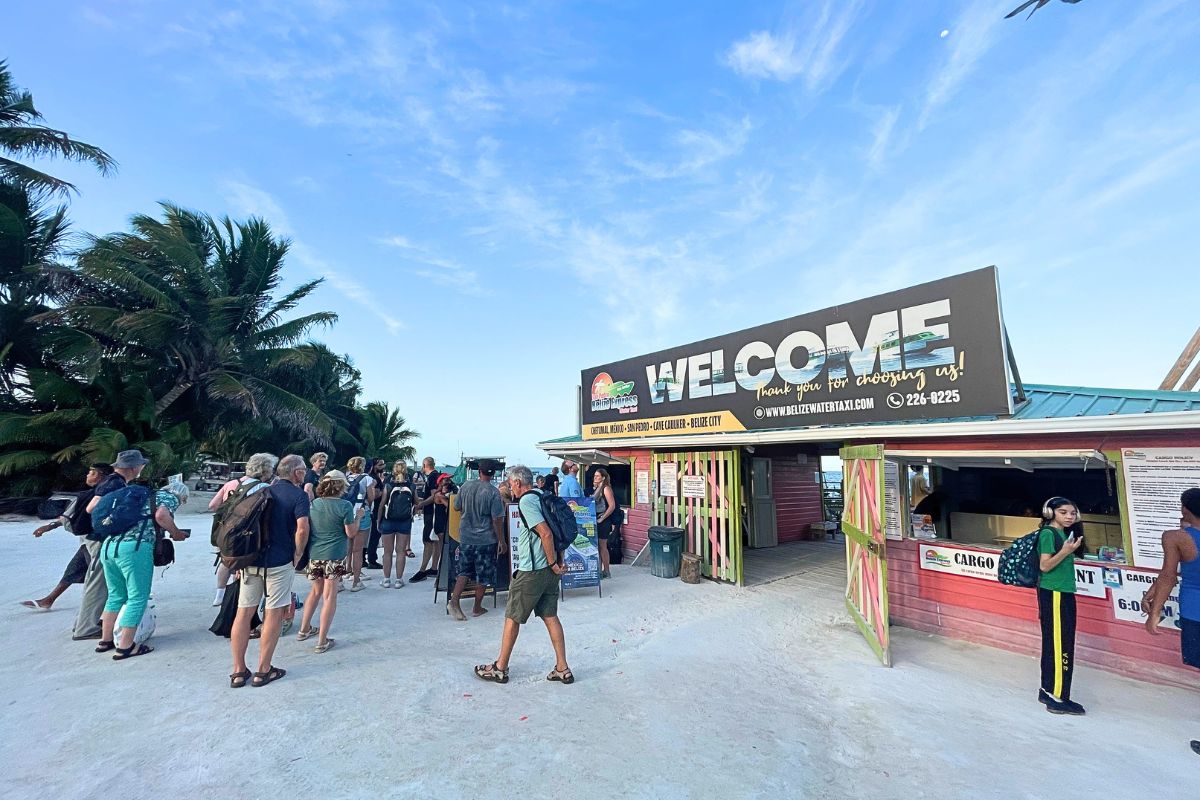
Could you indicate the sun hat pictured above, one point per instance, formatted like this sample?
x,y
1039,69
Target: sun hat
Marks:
x,y
335,475
128,459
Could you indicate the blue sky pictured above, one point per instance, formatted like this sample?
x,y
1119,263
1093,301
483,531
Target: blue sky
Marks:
x,y
501,196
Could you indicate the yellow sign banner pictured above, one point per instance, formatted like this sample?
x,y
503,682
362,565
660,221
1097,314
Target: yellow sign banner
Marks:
x,y
715,422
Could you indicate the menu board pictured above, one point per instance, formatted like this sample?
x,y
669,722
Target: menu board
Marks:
x,y
1154,479
891,500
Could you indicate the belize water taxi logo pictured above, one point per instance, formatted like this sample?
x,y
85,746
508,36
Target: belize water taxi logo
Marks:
x,y
608,394
937,559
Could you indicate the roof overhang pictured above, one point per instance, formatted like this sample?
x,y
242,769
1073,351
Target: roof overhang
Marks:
x,y
588,455
1128,423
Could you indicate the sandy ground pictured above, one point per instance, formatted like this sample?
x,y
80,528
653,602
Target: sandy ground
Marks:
x,y
683,691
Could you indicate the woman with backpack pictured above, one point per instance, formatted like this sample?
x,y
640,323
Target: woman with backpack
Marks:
x,y
607,508
360,491
395,523
333,527
1059,539
128,561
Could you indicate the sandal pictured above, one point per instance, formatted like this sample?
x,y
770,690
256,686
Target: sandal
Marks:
x,y
490,672
409,553
238,679
564,675
308,634
131,651
325,645
103,646
263,678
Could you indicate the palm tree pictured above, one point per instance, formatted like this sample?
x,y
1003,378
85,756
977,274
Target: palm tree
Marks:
x,y
22,134
193,301
384,434
1036,5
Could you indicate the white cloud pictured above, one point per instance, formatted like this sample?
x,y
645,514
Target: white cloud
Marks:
x,y
975,32
249,200
881,135
785,56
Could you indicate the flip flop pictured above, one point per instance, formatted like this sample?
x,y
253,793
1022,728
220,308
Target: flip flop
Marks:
x,y
263,678
35,605
132,651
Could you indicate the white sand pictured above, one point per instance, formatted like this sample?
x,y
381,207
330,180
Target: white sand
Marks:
x,y
683,691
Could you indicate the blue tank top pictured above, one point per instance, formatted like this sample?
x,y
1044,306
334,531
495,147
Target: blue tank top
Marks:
x,y
1189,587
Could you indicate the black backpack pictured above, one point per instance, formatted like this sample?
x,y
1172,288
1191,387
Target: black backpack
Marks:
x,y
559,517
79,521
399,506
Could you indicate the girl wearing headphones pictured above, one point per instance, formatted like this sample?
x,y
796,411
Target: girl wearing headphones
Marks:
x,y
1061,535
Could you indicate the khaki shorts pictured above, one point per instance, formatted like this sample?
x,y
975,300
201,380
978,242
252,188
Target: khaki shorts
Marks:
x,y
532,592
278,586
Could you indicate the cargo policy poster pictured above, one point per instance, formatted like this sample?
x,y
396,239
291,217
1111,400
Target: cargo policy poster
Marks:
x,y
931,351
582,558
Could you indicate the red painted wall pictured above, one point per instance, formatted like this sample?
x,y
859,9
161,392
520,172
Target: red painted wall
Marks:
x,y
633,535
797,496
1006,617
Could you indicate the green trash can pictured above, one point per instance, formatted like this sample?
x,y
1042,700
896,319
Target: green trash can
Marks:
x,y
666,551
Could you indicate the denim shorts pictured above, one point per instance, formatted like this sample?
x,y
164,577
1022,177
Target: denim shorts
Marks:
x,y
1189,641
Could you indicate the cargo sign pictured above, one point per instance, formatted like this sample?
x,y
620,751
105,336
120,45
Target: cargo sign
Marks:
x,y
929,351
983,564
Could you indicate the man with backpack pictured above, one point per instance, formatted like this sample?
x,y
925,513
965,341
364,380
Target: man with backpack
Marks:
x,y
535,587
270,571
480,538
76,520
127,467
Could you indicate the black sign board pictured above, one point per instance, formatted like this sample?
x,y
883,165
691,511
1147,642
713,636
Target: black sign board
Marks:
x,y
930,351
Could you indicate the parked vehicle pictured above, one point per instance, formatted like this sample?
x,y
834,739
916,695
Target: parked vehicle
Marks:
x,y
212,475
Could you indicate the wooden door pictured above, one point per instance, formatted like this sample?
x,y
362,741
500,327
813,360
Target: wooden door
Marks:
x,y
712,524
866,555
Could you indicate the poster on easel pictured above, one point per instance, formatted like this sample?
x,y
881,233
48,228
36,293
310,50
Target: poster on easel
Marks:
x,y
582,557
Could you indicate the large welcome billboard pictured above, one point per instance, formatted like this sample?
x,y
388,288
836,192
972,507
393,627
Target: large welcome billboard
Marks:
x,y
931,351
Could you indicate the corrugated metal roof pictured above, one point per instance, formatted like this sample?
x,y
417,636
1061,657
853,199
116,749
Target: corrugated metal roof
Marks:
x,y
1044,401
1058,402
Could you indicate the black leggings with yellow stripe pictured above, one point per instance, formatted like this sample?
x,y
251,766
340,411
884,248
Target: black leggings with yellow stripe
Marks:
x,y
1056,611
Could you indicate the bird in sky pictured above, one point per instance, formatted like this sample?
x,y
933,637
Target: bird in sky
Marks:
x,y
1036,5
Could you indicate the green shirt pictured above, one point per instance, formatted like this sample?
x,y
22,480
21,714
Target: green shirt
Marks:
x,y
531,555
328,519
1062,577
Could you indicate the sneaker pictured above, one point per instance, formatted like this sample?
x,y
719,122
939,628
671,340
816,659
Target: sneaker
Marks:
x,y
1056,706
357,586
419,576
1074,708
367,577
1044,697
219,598
396,584
386,583
1196,746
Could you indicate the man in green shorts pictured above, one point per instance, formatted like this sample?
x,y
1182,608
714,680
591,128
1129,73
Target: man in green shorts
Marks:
x,y
534,589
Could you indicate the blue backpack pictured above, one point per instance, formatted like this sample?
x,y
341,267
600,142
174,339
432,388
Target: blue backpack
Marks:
x,y
120,512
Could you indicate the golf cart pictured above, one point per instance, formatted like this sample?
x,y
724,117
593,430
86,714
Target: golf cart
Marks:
x,y
212,475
